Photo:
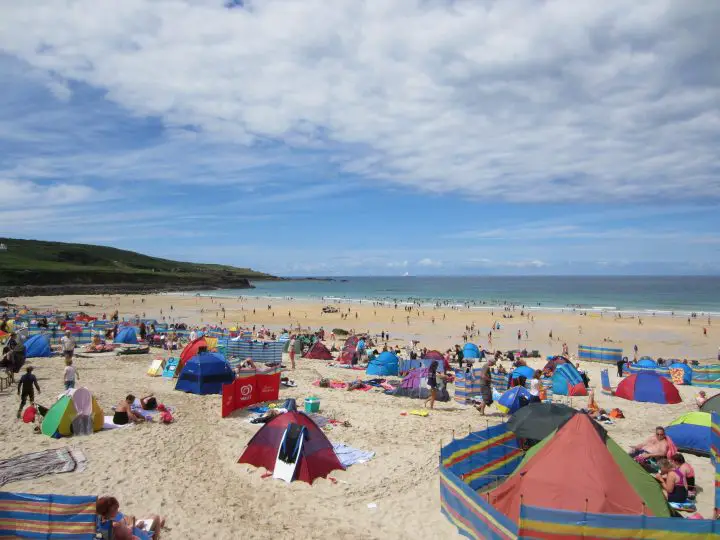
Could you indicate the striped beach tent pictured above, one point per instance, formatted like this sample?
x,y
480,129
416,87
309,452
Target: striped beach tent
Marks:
x,y
24,515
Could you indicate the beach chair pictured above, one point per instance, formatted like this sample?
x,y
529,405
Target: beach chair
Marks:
x,y
24,515
605,382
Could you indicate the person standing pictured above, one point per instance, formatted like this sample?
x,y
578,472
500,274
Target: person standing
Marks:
x,y
70,374
620,363
26,389
485,386
68,345
291,351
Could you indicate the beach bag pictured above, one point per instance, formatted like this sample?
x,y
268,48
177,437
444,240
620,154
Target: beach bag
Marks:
x,y
616,413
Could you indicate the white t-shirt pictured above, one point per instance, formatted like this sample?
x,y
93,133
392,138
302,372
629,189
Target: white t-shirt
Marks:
x,y
68,343
535,387
70,373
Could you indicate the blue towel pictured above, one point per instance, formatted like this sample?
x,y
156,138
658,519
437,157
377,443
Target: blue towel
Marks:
x,y
349,455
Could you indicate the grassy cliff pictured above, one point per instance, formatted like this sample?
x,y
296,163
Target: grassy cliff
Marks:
x,y
37,263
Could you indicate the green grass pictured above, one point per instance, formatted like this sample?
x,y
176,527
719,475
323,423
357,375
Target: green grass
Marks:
x,y
35,262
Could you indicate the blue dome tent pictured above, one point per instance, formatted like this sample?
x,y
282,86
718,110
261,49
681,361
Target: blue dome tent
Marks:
x,y
567,381
646,363
38,347
126,335
523,371
471,351
687,371
384,364
205,373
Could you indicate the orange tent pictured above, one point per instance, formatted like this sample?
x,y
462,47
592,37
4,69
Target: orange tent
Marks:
x,y
190,350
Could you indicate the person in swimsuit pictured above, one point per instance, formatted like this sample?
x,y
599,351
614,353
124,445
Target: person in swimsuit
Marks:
x,y
654,447
124,414
433,383
678,461
672,481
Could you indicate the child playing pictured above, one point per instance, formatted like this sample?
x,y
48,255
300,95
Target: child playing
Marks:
x,y
70,374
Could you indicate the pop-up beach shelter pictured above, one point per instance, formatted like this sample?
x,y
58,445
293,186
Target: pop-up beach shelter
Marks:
x,y
414,385
538,420
60,418
38,346
205,373
648,387
318,351
687,373
471,351
190,350
523,371
126,335
385,364
581,469
348,351
315,459
434,355
711,405
691,433
554,362
567,381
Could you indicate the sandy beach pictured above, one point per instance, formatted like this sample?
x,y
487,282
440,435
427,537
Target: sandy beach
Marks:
x,y
188,471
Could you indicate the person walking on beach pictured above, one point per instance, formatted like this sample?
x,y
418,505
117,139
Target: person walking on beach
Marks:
x,y
67,343
70,374
26,389
485,386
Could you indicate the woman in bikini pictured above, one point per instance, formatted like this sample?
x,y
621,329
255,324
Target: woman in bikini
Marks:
x,y
124,414
672,481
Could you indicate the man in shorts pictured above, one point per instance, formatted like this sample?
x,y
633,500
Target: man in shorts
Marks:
x,y
485,386
68,345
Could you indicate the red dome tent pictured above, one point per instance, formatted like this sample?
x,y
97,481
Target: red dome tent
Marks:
x,y
348,351
649,387
190,350
318,351
316,460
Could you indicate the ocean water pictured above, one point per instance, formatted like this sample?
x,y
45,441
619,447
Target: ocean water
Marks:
x,y
663,295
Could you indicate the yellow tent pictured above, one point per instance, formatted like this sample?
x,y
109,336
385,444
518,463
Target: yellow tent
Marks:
x,y
58,420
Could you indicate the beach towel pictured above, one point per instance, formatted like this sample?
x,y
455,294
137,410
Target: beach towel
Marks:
x,y
37,464
350,456
108,424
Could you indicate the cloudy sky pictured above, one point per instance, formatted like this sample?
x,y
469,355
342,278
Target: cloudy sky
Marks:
x,y
348,137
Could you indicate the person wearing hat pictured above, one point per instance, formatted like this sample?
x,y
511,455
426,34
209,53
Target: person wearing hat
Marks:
x,y
67,343
26,388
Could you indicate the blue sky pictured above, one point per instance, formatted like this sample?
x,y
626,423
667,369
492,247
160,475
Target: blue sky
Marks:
x,y
349,138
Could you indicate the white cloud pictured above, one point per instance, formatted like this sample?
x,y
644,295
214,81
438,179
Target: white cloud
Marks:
x,y
518,100
48,195
429,262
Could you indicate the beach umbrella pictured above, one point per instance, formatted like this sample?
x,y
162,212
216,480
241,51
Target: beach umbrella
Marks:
x,y
538,420
513,400
648,387
691,433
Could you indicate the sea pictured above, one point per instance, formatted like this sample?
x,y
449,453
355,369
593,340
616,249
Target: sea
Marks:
x,y
659,295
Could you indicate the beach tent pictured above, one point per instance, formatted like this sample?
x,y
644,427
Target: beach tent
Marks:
x,y
567,381
513,400
190,350
205,373
126,335
38,346
711,405
538,420
384,364
348,350
434,355
579,468
414,385
648,387
317,458
680,373
691,433
645,363
471,351
59,420
523,371
318,351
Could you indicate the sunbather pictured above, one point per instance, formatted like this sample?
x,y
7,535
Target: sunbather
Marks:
x,y
678,460
654,447
126,527
124,414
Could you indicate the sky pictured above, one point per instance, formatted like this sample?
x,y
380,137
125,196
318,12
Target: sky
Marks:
x,y
375,137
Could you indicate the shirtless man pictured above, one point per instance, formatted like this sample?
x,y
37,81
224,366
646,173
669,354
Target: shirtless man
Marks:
x,y
654,447
485,386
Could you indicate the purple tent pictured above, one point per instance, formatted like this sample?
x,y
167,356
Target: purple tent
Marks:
x,y
414,385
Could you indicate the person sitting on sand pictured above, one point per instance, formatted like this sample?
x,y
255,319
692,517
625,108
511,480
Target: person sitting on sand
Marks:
x,y
672,481
246,364
124,414
149,403
654,447
678,461
701,398
120,527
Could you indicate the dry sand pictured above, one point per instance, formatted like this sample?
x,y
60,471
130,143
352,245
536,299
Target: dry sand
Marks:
x,y
188,471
